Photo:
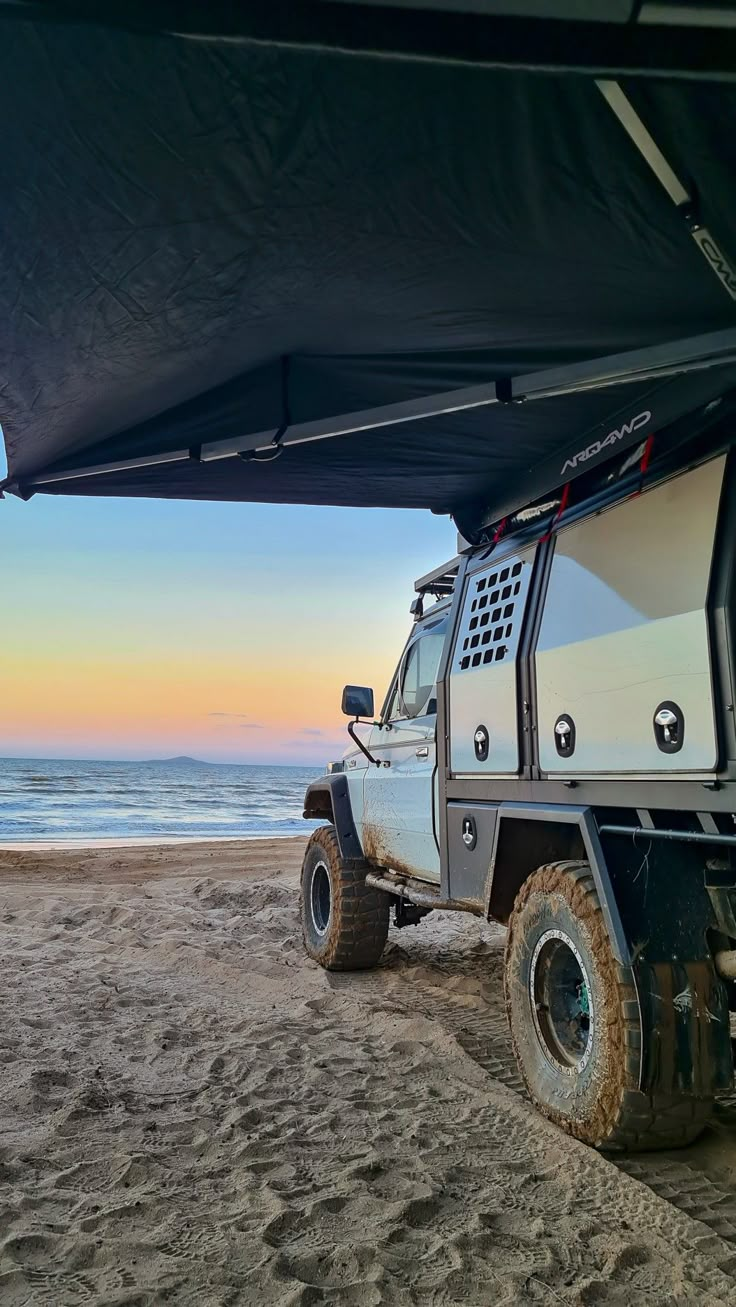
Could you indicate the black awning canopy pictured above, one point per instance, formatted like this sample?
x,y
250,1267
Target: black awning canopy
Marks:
x,y
263,268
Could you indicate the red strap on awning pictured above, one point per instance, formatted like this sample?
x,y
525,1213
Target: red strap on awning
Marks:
x,y
646,456
499,530
564,500
644,465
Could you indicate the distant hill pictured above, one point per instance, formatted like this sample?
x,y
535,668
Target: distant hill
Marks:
x,y
181,761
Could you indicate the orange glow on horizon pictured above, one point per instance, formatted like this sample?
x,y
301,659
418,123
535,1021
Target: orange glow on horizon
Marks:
x,y
146,630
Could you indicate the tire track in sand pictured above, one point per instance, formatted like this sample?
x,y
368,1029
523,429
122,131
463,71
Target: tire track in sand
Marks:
x,y
699,1180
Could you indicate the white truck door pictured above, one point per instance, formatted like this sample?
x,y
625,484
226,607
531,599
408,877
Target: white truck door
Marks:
x,y
399,798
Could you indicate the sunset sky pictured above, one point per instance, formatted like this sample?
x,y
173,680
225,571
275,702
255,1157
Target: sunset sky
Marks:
x,y
142,628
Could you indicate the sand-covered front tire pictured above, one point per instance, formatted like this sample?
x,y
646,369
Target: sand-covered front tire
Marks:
x,y
344,921
575,1021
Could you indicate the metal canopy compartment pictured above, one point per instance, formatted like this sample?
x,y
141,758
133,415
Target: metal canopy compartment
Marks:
x,y
341,253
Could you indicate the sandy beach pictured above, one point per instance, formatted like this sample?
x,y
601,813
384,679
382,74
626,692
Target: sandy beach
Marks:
x,y
193,1112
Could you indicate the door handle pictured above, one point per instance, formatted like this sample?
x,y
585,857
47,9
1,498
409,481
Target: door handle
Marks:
x,y
423,751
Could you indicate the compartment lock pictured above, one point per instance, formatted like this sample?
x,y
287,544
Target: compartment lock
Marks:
x,y
565,736
669,727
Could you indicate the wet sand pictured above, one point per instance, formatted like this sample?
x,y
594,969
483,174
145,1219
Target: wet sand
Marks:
x,y
193,1112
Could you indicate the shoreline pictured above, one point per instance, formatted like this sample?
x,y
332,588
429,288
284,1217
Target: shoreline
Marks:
x,y
77,842
133,864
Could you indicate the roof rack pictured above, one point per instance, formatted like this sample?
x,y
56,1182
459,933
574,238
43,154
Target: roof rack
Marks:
x,y
440,582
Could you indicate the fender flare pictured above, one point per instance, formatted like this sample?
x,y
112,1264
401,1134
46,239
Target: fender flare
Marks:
x,y
329,798
579,818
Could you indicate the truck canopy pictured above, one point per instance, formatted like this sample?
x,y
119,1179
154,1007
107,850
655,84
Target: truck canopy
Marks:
x,y
336,253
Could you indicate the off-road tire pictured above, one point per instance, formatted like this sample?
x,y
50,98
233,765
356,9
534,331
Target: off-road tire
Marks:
x,y
601,1104
352,934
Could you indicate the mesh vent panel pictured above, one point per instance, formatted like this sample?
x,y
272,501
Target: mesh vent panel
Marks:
x,y
494,604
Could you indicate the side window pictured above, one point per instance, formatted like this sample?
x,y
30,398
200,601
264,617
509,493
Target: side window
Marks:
x,y
412,695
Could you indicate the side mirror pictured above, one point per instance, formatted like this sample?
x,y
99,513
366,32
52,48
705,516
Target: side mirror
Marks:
x,y
357,701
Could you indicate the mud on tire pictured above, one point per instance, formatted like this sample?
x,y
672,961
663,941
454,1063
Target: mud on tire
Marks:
x,y
344,921
575,1022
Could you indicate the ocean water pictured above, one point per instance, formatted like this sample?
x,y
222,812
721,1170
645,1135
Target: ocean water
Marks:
x,y
58,800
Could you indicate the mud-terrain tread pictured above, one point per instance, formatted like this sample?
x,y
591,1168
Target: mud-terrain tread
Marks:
x,y
360,914
629,1119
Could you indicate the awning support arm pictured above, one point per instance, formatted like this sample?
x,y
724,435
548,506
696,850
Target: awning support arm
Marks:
x,y
678,193
698,353
712,350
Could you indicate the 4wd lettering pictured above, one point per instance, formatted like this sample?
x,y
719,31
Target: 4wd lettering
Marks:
x,y
717,259
613,437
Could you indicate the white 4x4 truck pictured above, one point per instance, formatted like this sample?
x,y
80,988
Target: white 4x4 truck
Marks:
x,y
556,751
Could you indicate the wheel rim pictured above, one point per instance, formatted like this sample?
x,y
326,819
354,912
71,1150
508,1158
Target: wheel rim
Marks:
x,y
320,898
562,1003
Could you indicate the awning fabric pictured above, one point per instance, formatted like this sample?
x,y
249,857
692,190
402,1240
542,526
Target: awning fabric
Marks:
x,y
205,238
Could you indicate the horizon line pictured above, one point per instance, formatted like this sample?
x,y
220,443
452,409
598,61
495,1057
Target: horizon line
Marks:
x,y
202,762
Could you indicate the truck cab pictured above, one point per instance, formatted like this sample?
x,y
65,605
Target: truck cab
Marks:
x,y
395,800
